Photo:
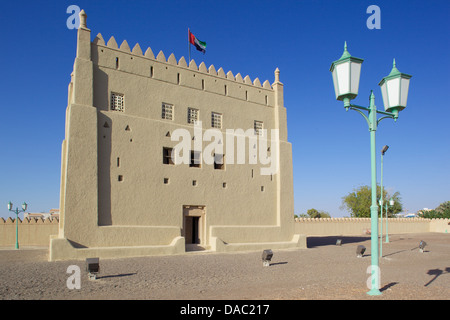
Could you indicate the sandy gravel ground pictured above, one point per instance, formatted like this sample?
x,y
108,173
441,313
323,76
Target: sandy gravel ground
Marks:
x,y
323,271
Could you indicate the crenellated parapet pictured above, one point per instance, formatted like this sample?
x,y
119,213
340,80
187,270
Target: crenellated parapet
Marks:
x,y
171,60
29,221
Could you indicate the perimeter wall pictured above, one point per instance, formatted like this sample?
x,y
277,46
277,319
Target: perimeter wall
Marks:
x,y
361,226
36,232
32,232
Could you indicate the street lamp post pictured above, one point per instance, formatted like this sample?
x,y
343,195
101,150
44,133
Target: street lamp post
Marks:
x,y
394,88
391,204
383,151
17,211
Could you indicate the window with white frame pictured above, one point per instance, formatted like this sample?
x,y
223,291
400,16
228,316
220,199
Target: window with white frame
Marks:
x,y
167,111
216,120
258,126
117,102
193,115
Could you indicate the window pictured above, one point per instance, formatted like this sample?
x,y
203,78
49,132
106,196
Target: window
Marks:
x,y
258,126
117,102
193,115
216,120
219,161
167,111
167,156
196,159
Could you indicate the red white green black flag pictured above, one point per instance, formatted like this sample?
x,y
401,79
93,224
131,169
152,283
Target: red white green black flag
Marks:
x,y
199,45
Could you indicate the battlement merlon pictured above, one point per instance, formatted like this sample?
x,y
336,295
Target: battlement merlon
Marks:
x,y
84,52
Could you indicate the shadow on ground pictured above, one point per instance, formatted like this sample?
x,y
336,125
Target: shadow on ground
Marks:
x,y
436,273
312,242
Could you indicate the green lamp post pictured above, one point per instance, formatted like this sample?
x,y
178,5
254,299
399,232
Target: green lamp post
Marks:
x,y
391,204
394,88
16,211
383,151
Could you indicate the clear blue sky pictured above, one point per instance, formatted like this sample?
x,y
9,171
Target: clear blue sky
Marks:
x,y
331,154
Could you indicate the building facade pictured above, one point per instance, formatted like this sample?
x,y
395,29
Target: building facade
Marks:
x,y
163,157
52,214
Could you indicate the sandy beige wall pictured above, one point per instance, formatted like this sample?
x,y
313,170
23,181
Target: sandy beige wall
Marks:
x,y
440,225
359,226
31,232
37,232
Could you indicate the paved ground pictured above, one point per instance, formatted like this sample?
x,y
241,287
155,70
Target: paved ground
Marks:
x,y
323,271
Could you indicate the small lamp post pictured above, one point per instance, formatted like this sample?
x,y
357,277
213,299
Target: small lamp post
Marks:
x,y
391,204
16,211
380,202
394,88
383,151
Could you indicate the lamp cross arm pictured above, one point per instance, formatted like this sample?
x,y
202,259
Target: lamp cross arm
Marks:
x,y
357,108
354,106
386,117
16,210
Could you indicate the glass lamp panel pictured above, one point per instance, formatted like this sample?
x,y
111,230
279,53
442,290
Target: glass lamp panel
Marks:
x,y
355,73
335,82
384,95
393,88
343,77
404,91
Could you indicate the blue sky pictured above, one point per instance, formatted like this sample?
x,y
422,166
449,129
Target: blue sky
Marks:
x,y
331,147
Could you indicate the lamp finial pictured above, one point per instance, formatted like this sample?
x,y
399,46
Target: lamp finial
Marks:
x,y
394,70
346,54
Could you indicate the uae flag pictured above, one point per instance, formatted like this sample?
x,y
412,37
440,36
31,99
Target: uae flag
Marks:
x,y
199,45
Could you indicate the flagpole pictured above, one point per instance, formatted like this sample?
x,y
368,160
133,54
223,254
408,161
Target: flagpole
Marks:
x,y
189,45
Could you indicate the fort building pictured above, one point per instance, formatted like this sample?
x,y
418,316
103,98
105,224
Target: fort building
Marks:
x,y
123,194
